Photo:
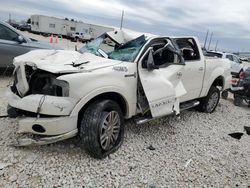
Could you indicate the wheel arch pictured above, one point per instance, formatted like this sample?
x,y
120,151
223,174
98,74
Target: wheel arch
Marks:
x,y
219,81
114,96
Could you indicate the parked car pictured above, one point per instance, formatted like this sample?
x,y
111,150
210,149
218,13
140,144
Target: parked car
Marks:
x,y
241,88
15,25
13,43
59,94
24,27
235,61
78,36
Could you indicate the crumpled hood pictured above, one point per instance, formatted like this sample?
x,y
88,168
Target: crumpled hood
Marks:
x,y
61,61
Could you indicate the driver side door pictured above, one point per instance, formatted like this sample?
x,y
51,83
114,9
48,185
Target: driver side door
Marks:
x,y
162,84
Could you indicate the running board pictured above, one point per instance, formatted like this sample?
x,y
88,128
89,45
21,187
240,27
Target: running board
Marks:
x,y
183,106
188,105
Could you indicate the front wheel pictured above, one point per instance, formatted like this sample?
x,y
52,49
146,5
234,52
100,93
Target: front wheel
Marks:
x,y
210,102
102,128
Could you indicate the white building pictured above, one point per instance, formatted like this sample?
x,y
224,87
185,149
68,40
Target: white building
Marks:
x,y
52,25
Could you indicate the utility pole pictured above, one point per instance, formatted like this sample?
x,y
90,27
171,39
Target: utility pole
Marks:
x,y
206,39
211,36
9,18
215,49
122,20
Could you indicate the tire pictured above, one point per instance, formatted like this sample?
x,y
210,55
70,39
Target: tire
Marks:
x,y
209,103
12,112
224,94
97,134
237,100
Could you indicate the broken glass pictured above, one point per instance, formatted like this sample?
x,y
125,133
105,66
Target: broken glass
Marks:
x,y
92,46
125,52
128,51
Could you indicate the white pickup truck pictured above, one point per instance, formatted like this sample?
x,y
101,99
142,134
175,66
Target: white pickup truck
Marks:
x,y
60,94
83,37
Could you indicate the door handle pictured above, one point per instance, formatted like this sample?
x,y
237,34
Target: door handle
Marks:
x,y
201,69
179,74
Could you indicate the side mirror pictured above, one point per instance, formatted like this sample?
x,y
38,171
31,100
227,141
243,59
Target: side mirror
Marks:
x,y
150,61
20,39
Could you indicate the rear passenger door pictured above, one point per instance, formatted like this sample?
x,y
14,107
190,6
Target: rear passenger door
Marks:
x,y
194,69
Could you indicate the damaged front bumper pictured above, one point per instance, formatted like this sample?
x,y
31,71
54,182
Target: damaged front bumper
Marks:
x,y
42,104
44,140
45,130
50,120
47,126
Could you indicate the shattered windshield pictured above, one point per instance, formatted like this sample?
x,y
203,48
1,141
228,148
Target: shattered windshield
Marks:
x,y
104,46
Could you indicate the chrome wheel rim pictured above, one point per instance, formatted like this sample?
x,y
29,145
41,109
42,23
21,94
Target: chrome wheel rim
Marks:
x,y
212,102
110,130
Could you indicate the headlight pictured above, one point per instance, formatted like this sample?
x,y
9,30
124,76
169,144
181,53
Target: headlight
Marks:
x,y
56,87
48,84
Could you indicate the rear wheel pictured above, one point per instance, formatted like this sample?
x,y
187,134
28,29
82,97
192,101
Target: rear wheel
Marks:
x,y
237,100
102,128
210,102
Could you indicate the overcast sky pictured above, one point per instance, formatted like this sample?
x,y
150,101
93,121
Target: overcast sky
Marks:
x,y
228,19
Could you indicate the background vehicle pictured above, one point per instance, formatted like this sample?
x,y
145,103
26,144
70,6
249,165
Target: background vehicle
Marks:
x,y
15,25
243,58
48,25
83,37
13,43
119,75
236,63
241,89
24,27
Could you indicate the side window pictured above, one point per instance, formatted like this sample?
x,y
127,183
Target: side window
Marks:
x,y
236,59
230,57
7,34
162,57
189,48
52,25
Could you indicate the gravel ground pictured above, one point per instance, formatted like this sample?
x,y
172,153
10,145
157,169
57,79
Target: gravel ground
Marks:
x,y
193,151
